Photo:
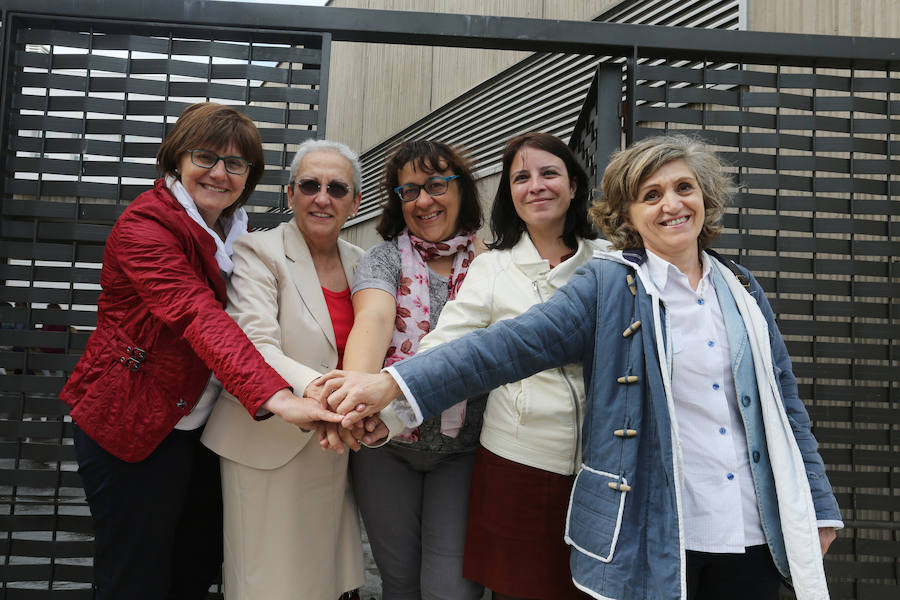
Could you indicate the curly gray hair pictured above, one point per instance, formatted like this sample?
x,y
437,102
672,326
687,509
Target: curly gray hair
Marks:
x,y
628,168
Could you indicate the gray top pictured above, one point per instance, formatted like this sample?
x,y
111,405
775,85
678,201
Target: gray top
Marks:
x,y
380,269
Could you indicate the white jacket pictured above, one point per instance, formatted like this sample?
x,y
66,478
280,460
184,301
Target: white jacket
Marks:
x,y
536,421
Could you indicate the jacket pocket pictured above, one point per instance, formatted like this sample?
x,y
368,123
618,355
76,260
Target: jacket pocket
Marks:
x,y
595,513
518,403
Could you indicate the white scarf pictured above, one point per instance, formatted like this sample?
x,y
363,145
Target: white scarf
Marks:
x,y
795,505
237,225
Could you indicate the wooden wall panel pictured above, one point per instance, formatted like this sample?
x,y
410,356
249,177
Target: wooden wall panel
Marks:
x,y
872,18
377,89
347,94
456,70
576,10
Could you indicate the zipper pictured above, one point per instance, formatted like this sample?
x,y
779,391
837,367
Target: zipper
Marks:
x,y
573,396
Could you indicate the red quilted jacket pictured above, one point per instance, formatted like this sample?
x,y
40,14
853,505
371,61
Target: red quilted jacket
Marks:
x,y
161,327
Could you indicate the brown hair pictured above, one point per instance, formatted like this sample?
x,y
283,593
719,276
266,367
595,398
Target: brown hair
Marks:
x,y
629,168
507,226
214,126
429,157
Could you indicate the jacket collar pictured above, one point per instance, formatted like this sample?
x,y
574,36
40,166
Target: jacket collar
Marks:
x,y
305,279
207,254
525,256
660,270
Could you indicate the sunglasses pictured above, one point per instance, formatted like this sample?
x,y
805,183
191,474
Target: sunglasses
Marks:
x,y
435,186
311,187
207,159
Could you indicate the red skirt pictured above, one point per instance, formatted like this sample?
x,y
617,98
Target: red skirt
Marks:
x,y
514,536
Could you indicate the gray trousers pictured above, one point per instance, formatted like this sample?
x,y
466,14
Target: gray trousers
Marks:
x,y
414,507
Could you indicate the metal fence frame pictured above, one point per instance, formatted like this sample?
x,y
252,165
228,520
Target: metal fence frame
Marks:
x,y
640,47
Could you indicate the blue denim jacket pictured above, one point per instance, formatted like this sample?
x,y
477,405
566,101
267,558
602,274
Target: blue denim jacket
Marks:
x,y
624,521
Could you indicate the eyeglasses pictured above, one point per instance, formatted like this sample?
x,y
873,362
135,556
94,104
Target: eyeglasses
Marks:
x,y
207,159
311,187
435,186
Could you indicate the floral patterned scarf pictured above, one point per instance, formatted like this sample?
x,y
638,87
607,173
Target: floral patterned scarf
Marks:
x,y
414,306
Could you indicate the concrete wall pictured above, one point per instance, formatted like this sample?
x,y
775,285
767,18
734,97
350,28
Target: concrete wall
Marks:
x,y
377,89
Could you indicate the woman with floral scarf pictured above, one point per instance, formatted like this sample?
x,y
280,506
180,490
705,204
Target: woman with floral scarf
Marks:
x,y
413,494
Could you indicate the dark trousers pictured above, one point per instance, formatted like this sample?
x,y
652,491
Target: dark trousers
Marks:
x,y
157,522
748,576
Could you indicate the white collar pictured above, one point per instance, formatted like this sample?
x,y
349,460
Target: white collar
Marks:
x,y
237,225
526,257
659,269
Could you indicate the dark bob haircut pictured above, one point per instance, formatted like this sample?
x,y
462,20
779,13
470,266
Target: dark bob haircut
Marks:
x,y
507,226
212,126
429,157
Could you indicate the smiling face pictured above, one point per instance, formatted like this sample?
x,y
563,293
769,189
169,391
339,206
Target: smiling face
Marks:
x,y
541,189
320,216
430,218
213,190
668,213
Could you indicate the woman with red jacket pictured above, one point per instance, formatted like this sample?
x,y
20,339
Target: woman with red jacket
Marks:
x,y
143,389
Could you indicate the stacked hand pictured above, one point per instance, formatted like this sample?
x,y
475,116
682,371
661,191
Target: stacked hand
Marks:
x,y
357,395
350,401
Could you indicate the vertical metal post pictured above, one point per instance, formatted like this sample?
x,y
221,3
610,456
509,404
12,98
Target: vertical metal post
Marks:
x,y
609,115
7,51
323,85
628,107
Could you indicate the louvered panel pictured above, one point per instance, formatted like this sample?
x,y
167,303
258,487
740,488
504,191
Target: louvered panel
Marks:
x,y
814,157
89,104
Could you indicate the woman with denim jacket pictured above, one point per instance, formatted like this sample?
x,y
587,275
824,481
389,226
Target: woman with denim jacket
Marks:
x,y
700,477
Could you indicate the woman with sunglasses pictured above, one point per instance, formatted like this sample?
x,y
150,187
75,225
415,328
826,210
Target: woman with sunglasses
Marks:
x,y
413,493
291,526
142,391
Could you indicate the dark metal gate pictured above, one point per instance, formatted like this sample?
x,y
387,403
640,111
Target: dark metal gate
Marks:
x,y
810,124
815,152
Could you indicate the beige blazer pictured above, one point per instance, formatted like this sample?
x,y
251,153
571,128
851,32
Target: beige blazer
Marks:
x,y
275,296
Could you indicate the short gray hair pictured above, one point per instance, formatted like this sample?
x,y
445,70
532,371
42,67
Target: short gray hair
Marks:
x,y
343,149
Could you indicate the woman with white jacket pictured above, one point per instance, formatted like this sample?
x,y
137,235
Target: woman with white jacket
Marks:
x,y
531,433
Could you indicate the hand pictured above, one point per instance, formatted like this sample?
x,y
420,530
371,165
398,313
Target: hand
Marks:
x,y
375,430
315,391
333,437
826,536
358,395
305,413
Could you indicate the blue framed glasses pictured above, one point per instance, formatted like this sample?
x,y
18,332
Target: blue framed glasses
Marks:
x,y
435,186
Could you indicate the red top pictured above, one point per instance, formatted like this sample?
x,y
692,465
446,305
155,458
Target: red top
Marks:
x,y
340,309
161,328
